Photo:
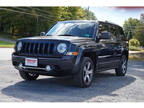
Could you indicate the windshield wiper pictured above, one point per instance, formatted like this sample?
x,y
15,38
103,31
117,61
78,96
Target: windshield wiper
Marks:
x,y
66,35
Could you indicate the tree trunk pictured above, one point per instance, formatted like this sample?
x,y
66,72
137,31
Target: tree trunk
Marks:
x,y
13,30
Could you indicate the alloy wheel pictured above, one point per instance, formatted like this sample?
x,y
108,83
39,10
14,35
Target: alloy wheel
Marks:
x,y
88,73
124,65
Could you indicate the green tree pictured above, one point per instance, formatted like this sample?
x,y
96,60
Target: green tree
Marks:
x,y
139,33
129,26
88,15
71,13
30,21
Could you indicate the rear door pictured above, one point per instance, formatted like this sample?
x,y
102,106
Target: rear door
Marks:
x,y
122,42
116,44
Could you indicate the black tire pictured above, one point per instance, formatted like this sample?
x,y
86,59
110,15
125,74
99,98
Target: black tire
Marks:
x,y
84,77
28,76
122,68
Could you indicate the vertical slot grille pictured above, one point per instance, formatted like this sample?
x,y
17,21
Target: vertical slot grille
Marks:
x,y
38,48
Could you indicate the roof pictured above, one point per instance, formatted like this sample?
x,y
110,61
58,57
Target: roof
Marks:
x,y
92,21
80,21
110,23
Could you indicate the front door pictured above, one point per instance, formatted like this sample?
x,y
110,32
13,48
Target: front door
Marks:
x,y
108,48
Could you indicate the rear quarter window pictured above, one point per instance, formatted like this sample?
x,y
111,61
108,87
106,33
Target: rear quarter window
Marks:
x,y
114,32
122,35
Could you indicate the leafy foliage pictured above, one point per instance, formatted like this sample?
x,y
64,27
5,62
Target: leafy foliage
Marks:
x,y
30,21
134,28
89,15
139,33
134,42
129,26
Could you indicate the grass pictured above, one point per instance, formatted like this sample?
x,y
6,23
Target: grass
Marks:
x,y
7,36
133,48
4,44
137,56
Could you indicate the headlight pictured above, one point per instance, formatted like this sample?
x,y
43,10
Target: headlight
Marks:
x,y
62,47
19,46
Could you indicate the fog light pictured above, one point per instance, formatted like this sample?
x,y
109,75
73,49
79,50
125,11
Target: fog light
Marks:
x,y
20,66
48,68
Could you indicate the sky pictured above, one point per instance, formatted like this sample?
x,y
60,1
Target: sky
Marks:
x,y
116,15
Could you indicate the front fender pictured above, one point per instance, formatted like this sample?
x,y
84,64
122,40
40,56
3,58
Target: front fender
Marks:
x,y
81,52
78,60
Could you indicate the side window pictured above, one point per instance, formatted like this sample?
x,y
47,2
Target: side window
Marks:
x,y
114,32
122,35
103,27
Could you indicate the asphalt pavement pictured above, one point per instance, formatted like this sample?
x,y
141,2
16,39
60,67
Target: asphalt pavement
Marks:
x,y
106,86
5,53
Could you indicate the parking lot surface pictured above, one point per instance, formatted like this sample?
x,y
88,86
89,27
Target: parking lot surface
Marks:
x,y
106,87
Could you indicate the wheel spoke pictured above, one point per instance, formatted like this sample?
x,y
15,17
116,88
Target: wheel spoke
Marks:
x,y
125,62
90,71
88,65
31,74
88,78
85,77
85,69
124,66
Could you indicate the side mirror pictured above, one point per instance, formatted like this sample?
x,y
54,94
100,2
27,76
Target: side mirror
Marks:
x,y
104,35
42,34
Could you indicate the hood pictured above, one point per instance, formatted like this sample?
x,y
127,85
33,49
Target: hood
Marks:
x,y
72,39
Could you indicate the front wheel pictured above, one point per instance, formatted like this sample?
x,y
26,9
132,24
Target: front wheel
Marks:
x,y
122,68
85,75
28,76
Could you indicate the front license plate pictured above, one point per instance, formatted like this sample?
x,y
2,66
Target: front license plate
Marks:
x,y
31,62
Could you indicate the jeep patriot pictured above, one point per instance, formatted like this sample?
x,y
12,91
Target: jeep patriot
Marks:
x,y
79,48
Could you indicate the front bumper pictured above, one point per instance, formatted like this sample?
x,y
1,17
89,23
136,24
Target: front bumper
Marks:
x,y
59,66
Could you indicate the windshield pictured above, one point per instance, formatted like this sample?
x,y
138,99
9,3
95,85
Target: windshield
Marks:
x,y
80,29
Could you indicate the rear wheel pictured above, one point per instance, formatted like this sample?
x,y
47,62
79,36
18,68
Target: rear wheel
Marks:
x,y
28,76
122,68
85,75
